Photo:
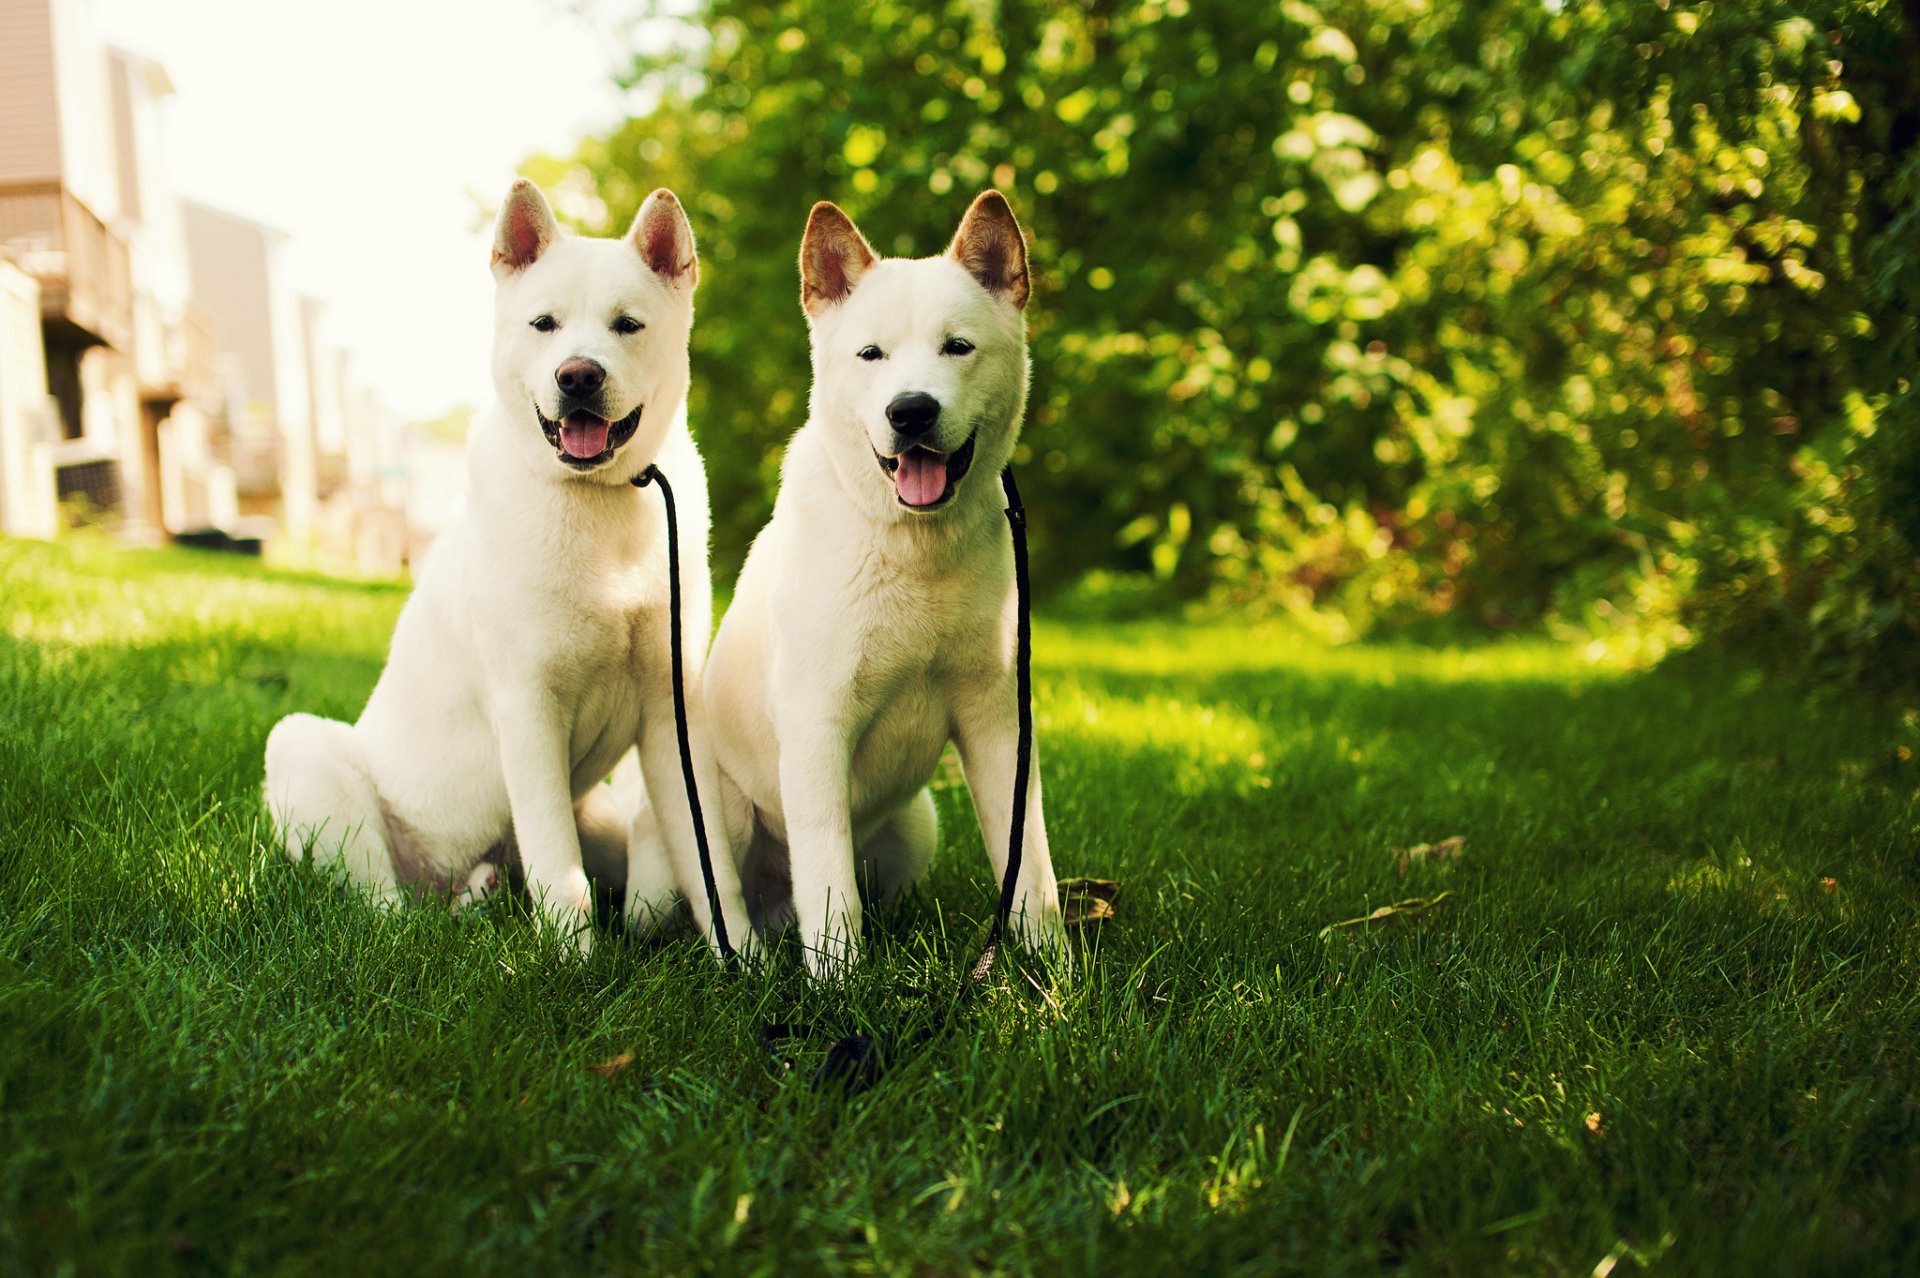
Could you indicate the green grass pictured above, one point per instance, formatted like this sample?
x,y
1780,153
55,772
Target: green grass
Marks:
x,y
1642,1026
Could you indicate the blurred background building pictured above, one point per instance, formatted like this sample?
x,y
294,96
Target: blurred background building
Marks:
x,y
159,372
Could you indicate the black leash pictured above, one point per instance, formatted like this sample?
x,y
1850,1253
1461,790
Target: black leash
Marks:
x,y
1023,677
653,475
855,1062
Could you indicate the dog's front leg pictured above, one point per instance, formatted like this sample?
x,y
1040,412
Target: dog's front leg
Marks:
x,y
667,796
986,731
815,794
533,760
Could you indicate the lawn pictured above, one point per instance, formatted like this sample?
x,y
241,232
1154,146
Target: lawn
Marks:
x,y
1665,1017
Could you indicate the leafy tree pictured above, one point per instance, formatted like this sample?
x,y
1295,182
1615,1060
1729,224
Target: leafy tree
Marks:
x,y
1502,311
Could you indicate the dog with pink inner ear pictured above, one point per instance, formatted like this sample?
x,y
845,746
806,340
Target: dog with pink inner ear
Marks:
x,y
874,621
532,660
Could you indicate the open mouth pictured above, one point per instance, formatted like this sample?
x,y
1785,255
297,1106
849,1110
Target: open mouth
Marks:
x,y
585,440
924,479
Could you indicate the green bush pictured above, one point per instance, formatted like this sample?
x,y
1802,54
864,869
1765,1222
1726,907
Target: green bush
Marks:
x,y
1495,313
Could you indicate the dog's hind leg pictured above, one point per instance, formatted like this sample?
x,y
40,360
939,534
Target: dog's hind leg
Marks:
x,y
896,856
604,817
766,880
648,870
652,892
322,798
483,880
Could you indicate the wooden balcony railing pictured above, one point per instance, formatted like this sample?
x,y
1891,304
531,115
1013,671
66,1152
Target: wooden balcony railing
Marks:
x,y
86,284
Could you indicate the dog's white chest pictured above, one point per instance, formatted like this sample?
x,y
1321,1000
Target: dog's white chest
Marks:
x,y
901,745
601,663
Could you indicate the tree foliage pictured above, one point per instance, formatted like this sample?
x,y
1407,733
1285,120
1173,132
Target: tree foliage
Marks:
x,y
1502,311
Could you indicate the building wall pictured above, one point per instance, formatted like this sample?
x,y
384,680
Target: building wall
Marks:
x,y
293,407
30,142
197,485
238,273
88,165
127,109
228,270
27,506
326,406
111,411
151,221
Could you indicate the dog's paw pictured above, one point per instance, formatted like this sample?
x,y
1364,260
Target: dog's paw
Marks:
x,y
1043,930
482,882
567,916
384,896
645,915
748,948
831,961
575,935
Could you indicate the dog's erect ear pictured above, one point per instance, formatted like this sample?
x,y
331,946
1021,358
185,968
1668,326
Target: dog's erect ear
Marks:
x,y
663,237
990,246
525,229
833,257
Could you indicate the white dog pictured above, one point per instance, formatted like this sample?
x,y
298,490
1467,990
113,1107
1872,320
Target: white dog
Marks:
x,y
534,652
874,619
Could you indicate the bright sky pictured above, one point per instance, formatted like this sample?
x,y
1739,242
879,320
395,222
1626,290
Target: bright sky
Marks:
x,y
364,128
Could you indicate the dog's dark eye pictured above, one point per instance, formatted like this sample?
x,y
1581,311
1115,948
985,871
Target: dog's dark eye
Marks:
x,y
871,353
627,324
544,324
957,346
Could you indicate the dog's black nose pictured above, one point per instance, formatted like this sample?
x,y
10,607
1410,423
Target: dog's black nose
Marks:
x,y
580,376
913,413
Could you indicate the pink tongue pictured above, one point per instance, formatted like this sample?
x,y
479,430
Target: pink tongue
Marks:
x,y
583,435
921,478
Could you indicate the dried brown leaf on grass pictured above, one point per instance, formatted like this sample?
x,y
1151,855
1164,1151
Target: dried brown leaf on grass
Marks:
x,y
609,1068
1442,853
1084,901
1410,908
